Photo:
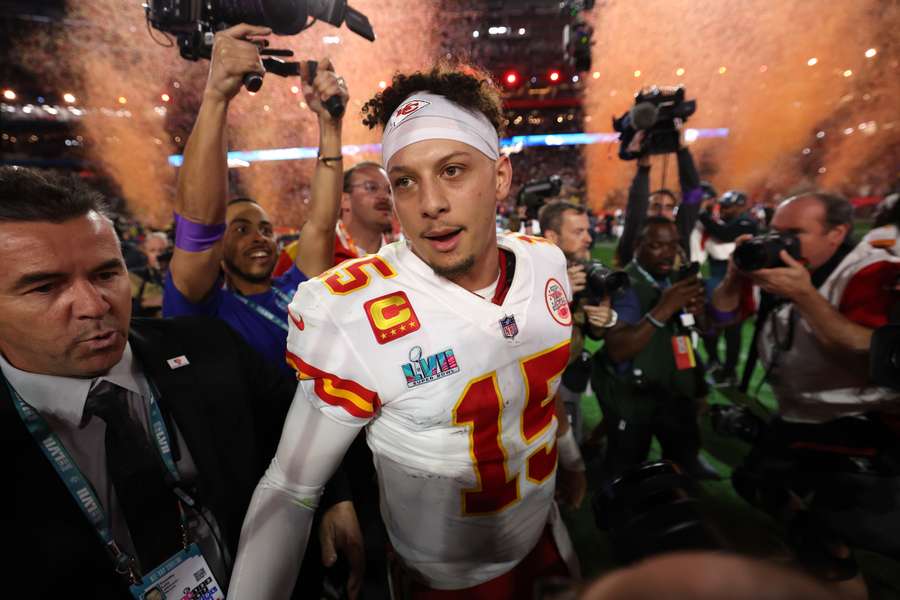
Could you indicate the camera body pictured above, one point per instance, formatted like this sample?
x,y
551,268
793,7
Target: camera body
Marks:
x,y
602,282
654,112
194,22
534,194
762,251
736,421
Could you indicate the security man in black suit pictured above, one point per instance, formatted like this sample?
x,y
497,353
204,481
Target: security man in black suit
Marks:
x,y
131,448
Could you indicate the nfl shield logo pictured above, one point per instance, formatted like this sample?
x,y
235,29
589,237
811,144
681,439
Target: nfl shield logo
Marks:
x,y
509,327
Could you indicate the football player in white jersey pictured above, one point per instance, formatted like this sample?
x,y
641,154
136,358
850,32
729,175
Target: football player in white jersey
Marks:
x,y
448,348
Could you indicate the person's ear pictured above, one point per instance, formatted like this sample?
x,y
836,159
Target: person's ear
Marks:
x,y
837,234
503,170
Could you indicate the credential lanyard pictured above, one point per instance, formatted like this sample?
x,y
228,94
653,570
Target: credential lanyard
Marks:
x,y
646,275
77,484
264,312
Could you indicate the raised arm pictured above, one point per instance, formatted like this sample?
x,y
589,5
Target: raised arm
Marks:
x,y
691,197
635,211
277,526
202,179
315,248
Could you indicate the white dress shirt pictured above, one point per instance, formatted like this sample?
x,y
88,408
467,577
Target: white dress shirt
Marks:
x,y
61,401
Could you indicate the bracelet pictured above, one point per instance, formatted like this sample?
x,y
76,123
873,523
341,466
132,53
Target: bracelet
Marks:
x,y
613,320
569,454
654,322
328,159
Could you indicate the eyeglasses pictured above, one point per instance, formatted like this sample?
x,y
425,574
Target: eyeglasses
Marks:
x,y
371,187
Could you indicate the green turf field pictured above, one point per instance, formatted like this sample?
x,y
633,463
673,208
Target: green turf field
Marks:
x,y
750,530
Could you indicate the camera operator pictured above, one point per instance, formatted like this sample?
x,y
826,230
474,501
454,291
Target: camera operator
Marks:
x,y
224,255
566,225
830,443
646,377
734,220
225,252
641,203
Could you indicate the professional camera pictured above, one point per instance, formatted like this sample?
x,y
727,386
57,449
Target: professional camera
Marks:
x,y
195,22
654,112
602,282
651,509
736,421
534,194
761,252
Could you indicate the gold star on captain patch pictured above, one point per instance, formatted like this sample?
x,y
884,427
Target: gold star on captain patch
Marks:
x,y
384,336
393,332
403,328
412,323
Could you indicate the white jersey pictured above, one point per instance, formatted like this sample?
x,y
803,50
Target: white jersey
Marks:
x,y
457,394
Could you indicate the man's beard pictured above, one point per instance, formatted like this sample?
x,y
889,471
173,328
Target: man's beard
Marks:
x,y
235,271
452,272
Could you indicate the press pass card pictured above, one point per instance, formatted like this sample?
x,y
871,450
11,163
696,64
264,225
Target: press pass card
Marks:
x,y
185,576
684,352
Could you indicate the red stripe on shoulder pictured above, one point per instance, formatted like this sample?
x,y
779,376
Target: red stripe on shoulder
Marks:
x,y
870,294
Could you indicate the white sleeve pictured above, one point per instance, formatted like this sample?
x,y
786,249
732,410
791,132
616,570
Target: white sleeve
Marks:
x,y
278,522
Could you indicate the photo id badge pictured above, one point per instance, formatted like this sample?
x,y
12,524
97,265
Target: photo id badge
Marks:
x,y
684,352
185,576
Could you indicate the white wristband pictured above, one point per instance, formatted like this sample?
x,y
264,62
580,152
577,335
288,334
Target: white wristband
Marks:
x,y
613,320
569,453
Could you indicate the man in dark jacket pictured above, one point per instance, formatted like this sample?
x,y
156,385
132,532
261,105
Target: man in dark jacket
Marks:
x,y
131,445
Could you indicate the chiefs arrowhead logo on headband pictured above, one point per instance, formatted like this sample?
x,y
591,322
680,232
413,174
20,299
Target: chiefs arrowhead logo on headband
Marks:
x,y
407,109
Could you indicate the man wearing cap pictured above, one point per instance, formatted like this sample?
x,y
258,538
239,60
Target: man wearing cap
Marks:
x,y
734,221
448,347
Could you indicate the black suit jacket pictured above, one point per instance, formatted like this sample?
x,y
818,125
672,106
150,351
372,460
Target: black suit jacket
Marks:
x,y
229,406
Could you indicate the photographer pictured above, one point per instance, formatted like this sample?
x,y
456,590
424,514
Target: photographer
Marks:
x,y
830,443
641,203
566,225
646,377
733,221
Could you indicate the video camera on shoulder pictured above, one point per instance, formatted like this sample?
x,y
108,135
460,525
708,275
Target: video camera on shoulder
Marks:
x,y
534,194
602,282
762,251
654,112
195,22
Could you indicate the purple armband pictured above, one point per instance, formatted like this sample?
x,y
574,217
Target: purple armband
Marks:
x,y
196,237
693,196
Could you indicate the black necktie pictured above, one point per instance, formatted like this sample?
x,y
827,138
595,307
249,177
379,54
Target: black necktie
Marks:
x,y
136,472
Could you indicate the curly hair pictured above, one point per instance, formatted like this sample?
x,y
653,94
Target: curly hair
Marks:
x,y
467,86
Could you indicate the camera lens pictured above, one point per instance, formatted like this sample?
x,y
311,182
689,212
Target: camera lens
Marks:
x,y
751,255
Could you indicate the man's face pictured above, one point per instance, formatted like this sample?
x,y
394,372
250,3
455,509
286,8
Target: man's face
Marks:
x,y
445,196
249,244
805,217
369,199
661,205
574,237
62,312
153,246
658,248
729,211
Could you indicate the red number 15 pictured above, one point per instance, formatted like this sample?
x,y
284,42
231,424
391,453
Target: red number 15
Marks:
x,y
481,408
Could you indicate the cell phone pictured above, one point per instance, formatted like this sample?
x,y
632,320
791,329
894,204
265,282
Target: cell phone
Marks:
x,y
686,271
